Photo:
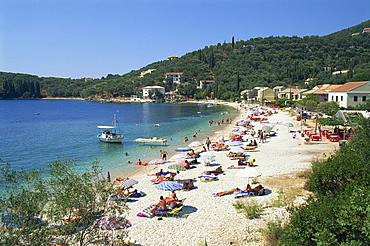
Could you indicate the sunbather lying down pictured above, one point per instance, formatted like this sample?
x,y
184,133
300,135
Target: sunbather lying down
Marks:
x,y
217,171
222,193
257,188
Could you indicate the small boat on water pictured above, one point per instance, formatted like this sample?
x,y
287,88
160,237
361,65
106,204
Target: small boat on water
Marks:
x,y
151,140
110,134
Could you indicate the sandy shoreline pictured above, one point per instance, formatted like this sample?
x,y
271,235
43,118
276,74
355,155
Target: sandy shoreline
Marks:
x,y
214,219
150,168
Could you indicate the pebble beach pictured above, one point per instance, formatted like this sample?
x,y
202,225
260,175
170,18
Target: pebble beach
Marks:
x,y
206,218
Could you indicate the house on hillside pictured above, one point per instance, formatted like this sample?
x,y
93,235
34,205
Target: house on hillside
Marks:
x,y
321,91
292,93
142,74
265,94
147,89
350,94
175,76
170,58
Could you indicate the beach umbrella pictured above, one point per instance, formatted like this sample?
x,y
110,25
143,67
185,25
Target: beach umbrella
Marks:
x,y
169,186
183,163
208,153
266,129
178,157
207,159
156,162
235,143
237,150
288,124
248,172
235,128
195,144
242,123
183,149
129,182
112,223
177,167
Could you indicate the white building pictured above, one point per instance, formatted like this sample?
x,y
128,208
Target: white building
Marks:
x,y
350,94
175,76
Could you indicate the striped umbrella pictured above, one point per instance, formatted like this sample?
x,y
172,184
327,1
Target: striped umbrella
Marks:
x,y
169,186
112,223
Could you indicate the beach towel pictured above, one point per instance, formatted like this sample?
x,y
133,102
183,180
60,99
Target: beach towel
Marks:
x,y
146,212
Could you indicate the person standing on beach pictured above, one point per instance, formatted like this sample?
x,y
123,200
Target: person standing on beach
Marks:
x,y
208,143
163,154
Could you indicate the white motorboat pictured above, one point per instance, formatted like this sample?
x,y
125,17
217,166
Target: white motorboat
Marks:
x,y
110,134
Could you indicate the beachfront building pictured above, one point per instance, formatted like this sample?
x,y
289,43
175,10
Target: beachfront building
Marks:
x,y
175,76
248,95
152,90
265,94
292,93
204,83
277,89
321,91
350,94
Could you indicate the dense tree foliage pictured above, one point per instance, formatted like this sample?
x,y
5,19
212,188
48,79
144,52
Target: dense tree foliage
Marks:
x,y
235,66
339,213
66,200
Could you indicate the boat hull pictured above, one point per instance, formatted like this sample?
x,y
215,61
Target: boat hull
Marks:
x,y
111,140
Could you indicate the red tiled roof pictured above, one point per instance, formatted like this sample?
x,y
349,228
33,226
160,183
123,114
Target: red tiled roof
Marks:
x,y
349,86
175,73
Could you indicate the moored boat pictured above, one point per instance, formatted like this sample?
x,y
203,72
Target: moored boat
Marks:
x,y
110,134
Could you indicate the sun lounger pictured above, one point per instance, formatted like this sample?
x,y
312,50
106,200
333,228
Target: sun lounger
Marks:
x,y
243,193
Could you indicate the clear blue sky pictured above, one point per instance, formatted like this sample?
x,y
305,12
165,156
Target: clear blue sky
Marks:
x,y
80,38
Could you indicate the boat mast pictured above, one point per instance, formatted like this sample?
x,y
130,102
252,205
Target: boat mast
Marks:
x,y
114,120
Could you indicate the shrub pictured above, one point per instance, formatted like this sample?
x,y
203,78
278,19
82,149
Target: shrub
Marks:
x,y
250,208
272,233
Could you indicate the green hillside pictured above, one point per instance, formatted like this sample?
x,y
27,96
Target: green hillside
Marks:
x,y
234,66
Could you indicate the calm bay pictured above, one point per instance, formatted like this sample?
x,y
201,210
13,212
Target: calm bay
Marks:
x,y
37,132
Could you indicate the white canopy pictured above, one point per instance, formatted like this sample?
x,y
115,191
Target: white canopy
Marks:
x,y
106,127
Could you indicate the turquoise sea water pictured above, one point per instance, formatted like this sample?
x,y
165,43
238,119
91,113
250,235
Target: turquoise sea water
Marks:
x,y
67,129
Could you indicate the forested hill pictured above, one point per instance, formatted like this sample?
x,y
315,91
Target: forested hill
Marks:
x,y
234,66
